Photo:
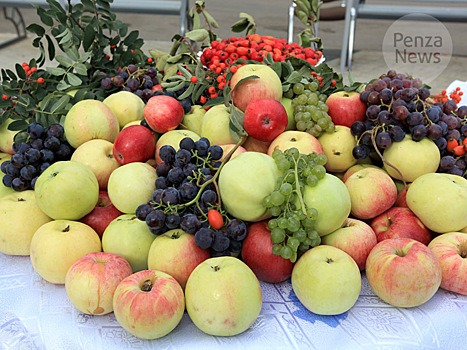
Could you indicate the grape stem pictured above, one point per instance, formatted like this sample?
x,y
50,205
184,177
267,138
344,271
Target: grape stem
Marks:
x,y
297,187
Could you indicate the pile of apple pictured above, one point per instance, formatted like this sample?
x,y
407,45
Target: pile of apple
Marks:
x,y
79,227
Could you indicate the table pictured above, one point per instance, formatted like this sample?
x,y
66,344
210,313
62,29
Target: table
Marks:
x,y
35,314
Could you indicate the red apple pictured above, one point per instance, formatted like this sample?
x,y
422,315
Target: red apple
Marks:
x,y
451,250
257,254
149,304
401,200
102,214
355,237
91,281
403,272
345,107
265,119
134,143
176,253
163,113
254,145
400,222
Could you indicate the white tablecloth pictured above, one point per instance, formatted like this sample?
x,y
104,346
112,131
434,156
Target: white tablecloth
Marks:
x,y
35,314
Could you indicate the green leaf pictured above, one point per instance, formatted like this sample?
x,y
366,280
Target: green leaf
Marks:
x,y
73,79
294,78
62,85
45,18
20,71
50,47
72,53
60,104
56,71
36,29
131,37
187,92
64,61
18,125
81,69
212,22
236,122
197,34
240,26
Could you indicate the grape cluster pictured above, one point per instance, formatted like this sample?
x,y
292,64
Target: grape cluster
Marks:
x,y
399,105
293,224
143,82
186,193
43,147
309,108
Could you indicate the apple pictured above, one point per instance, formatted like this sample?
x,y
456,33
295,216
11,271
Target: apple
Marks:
x,y
176,253
254,145
403,272
57,244
223,296
332,201
193,119
257,254
7,137
406,160
67,190
355,237
173,139
354,168
265,119
102,214
4,190
243,183
149,304
301,140
287,103
131,185
134,144
372,192
20,217
345,108
90,119
215,125
401,200
399,222
163,113
129,237
326,280
126,106
98,156
338,146
264,83
451,251
90,282
439,200
229,147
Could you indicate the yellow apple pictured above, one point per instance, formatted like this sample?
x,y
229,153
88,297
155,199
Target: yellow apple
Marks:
x,y
6,137
287,103
337,147
126,106
193,119
301,140
215,125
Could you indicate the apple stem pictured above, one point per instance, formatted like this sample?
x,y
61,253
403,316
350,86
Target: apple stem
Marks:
x,y
66,229
147,286
329,260
463,249
216,268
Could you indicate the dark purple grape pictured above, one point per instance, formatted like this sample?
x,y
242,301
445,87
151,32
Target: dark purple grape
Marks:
x,y
186,104
434,113
187,143
454,171
3,166
444,127
155,219
7,180
161,182
28,172
52,143
172,221
204,238
162,169
202,146
463,130
221,241
357,128
441,143
364,96
157,195
361,151
397,133
372,112
18,159
170,196
132,84
37,144
143,210
11,170
47,155
190,223
19,184
434,131
374,98
190,169
118,81
414,118
453,134
188,191
452,122
209,197
446,163
64,152
462,112
386,96
167,153
43,167
56,130
139,93
182,157
449,106
396,84
236,229
461,163
385,118
215,151
418,132
423,93
35,130
106,83
383,140
175,176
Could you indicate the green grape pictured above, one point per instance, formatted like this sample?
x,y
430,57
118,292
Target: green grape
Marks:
x,y
286,252
313,100
307,241
308,223
302,99
293,243
289,178
315,241
312,213
275,211
293,152
286,189
277,235
276,154
313,86
316,115
293,258
277,249
323,123
321,159
323,106
267,202
283,164
277,198
313,234
289,93
331,128
298,88
293,224
318,129
282,222
300,235
323,97
311,180
302,248
319,171
306,116
272,224
301,126
313,132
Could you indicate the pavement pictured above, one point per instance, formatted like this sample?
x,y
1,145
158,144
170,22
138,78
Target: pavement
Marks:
x,y
271,18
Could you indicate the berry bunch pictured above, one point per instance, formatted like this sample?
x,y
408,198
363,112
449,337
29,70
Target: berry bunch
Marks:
x,y
455,95
186,197
44,146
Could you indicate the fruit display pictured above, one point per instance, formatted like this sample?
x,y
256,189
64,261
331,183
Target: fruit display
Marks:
x,y
153,187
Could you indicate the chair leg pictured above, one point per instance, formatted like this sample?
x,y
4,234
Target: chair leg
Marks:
x,y
290,26
14,15
353,23
346,36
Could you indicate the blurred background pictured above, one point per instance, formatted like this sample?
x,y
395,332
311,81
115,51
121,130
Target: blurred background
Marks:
x,y
271,17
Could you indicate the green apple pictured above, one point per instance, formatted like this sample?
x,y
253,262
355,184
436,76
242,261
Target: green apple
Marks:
x,y
98,156
215,125
326,280
126,106
439,200
57,244
193,119
6,137
223,296
287,103
332,201
88,120
406,160
67,190
20,217
173,138
267,84
130,185
244,182
129,237
337,147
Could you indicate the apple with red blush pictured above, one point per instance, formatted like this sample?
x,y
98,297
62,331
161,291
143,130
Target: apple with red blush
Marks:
x,y
102,214
163,113
346,107
400,222
265,119
257,254
134,143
